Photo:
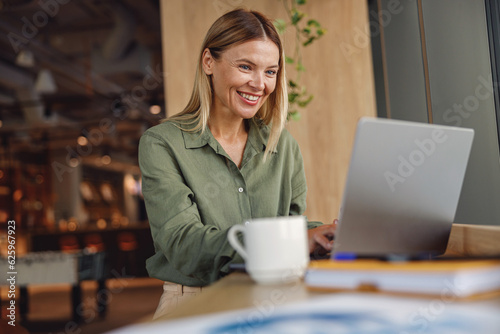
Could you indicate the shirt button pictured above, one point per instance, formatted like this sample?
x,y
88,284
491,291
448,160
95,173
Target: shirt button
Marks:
x,y
240,190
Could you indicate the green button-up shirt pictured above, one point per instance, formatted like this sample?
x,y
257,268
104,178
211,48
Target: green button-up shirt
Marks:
x,y
194,193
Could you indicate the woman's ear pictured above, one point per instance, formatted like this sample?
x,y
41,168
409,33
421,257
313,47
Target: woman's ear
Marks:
x,y
207,61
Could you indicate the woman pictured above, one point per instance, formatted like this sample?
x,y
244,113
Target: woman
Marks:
x,y
224,159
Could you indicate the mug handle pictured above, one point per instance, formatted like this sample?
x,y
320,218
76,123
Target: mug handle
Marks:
x,y
235,242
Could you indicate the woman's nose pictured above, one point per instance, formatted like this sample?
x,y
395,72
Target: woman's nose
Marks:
x,y
257,81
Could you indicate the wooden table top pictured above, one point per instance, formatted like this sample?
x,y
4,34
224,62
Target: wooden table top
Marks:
x,y
239,291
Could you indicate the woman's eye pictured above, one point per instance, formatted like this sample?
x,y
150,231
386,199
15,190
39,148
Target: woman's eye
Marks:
x,y
245,67
271,72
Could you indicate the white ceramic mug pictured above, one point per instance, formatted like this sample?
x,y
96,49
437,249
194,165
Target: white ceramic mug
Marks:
x,y
275,249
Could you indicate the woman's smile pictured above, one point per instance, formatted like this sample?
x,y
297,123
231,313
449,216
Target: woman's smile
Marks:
x,y
249,98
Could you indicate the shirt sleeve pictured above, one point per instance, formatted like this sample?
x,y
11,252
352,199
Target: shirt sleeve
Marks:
x,y
299,187
189,246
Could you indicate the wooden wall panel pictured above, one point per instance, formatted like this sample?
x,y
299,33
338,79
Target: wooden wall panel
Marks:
x,y
339,74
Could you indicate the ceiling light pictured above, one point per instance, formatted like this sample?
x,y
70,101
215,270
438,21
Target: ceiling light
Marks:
x,y
106,159
25,58
45,83
155,109
82,141
74,162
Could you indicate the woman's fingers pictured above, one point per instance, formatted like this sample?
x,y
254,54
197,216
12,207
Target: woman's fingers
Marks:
x,y
321,236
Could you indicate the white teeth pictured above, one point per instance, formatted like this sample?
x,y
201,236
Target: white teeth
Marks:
x,y
249,97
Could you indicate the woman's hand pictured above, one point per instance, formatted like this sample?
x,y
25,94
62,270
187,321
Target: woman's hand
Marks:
x,y
321,238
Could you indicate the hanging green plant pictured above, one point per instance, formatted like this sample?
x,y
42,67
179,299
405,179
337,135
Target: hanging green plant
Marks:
x,y
306,32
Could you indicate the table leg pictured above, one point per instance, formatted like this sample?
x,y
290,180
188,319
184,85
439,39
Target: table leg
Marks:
x,y
76,299
23,301
102,298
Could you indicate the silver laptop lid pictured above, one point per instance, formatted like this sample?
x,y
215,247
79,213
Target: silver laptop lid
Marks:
x,y
402,188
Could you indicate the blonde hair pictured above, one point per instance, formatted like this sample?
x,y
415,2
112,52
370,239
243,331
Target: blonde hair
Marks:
x,y
233,28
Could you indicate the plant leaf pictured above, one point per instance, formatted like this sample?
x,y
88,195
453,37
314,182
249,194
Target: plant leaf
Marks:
x,y
292,97
296,16
304,103
289,60
313,23
294,115
309,41
280,25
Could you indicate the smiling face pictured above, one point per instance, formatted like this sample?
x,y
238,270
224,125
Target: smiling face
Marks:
x,y
243,77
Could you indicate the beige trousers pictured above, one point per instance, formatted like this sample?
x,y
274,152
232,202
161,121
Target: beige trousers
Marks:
x,y
174,295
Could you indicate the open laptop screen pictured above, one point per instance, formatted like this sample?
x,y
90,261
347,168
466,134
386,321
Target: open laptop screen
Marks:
x,y
402,188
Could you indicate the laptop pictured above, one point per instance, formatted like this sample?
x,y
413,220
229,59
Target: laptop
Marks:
x,y
402,189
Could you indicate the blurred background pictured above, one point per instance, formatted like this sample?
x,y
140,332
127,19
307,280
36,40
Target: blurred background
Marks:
x,y
80,81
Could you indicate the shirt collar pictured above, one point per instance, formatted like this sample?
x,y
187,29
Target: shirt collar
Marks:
x,y
257,137
196,139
